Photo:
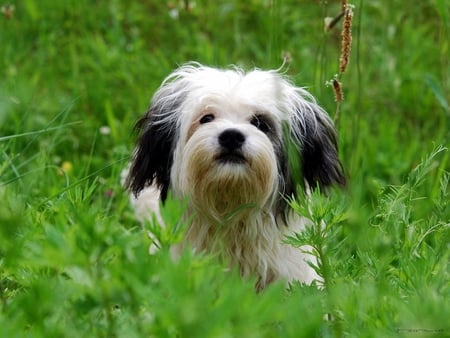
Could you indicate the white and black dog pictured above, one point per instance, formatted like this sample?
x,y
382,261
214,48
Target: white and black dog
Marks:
x,y
222,139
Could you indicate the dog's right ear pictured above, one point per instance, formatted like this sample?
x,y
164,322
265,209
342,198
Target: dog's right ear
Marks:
x,y
153,157
312,132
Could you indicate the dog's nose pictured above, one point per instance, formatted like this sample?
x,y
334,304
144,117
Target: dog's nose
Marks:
x,y
231,139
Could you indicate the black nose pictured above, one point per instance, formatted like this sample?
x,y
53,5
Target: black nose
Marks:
x,y
231,139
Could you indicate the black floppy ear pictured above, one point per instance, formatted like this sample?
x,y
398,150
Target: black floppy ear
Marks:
x,y
320,161
319,150
153,157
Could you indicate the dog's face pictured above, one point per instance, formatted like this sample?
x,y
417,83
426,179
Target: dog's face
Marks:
x,y
227,154
221,138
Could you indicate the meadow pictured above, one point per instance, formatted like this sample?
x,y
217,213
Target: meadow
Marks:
x,y
75,75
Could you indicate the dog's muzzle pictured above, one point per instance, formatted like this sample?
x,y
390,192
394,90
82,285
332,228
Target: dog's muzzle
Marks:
x,y
231,142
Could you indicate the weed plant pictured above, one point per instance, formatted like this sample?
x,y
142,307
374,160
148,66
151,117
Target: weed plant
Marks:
x,y
74,262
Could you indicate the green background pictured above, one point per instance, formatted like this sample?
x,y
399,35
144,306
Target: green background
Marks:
x,y
73,260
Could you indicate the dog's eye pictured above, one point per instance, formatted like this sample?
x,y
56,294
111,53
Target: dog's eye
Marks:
x,y
261,123
206,118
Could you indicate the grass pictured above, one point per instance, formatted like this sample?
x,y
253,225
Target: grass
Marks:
x,y
74,261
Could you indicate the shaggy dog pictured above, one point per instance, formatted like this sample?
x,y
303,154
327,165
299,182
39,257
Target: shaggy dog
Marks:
x,y
227,141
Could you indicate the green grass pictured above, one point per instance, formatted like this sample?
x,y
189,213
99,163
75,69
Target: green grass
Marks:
x,y
74,261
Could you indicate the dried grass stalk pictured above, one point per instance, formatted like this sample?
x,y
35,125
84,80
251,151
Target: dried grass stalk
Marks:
x,y
331,22
346,38
344,4
337,90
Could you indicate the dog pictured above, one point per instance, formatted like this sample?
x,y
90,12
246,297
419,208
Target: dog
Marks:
x,y
229,142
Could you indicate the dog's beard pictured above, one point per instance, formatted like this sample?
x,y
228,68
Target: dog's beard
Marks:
x,y
221,190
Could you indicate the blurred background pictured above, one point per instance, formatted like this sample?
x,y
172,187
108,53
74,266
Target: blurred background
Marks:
x,y
75,75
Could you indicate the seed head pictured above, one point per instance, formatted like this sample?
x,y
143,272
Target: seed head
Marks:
x,y
346,38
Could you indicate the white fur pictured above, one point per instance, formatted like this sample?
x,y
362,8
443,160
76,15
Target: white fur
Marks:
x,y
233,206
253,242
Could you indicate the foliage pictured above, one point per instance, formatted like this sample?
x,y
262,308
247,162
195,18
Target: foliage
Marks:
x,y
76,75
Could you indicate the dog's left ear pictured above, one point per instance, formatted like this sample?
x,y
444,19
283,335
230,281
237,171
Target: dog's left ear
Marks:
x,y
318,147
153,158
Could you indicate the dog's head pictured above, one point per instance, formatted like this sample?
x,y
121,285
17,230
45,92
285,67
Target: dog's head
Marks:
x,y
225,138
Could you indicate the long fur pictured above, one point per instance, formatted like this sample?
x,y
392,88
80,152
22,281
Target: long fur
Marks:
x,y
230,142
